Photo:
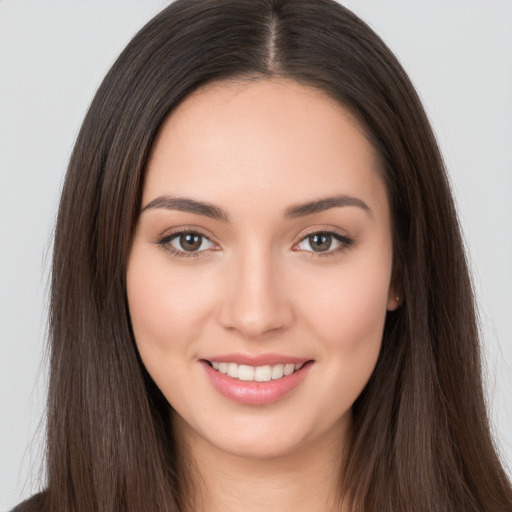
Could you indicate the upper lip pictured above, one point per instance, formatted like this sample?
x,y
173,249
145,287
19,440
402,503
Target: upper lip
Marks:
x,y
257,359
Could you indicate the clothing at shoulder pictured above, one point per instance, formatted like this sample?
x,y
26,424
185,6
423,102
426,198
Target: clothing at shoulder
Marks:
x,y
33,504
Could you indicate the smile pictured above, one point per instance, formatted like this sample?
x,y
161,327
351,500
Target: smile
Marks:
x,y
269,378
255,373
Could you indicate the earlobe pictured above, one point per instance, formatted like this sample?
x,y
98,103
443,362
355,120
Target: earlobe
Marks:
x,y
394,302
395,297
395,292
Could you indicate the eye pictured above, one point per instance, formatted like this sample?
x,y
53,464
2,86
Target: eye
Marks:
x,y
186,243
190,242
323,242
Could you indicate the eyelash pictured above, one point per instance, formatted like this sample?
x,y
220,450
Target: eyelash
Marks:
x,y
344,241
165,243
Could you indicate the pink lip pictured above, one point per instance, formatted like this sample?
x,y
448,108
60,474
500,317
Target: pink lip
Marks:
x,y
251,392
257,360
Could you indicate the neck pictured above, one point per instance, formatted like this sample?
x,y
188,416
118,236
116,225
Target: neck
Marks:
x,y
300,481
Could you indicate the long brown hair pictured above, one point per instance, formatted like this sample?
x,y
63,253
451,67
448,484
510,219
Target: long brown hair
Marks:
x,y
421,438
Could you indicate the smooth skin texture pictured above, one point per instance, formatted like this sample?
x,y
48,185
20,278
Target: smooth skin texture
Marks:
x,y
254,281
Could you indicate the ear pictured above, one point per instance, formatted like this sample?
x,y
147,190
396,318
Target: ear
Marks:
x,y
395,298
395,293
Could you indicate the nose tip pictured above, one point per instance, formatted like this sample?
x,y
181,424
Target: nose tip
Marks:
x,y
253,321
256,303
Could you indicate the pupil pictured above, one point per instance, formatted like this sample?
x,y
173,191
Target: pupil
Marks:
x,y
190,241
320,243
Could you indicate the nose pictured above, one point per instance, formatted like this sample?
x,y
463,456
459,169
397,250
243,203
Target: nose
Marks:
x,y
255,299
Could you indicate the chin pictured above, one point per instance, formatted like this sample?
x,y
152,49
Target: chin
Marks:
x,y
262,438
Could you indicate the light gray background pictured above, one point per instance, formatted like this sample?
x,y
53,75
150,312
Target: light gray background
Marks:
x,y
53,55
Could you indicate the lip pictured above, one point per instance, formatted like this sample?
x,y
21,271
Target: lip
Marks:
x,y
252,392
256,360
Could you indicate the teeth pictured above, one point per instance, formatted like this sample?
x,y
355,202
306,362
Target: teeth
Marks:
x,y
233,370
277,371
262,373
256,373
244,372
289,369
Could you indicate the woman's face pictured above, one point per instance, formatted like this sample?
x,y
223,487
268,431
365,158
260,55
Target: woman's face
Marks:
x,y
263,250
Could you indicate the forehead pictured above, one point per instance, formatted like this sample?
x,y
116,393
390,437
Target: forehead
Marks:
x,y
273,140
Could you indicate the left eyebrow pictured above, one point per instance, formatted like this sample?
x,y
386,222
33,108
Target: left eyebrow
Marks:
x,y
320,205
185,204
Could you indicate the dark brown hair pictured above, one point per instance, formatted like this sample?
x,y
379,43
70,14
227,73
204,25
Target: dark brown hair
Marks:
x,y
421,438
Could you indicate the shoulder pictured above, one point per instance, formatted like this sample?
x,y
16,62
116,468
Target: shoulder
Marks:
x,y
33,504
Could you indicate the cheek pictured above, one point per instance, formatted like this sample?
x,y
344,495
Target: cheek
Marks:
x,y
348,300
346,311
166,307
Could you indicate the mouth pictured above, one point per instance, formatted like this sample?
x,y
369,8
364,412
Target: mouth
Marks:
x,y
267,380
249,373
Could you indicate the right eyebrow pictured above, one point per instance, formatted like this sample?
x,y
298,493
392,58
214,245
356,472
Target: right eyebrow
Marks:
x,y
321,205
185,204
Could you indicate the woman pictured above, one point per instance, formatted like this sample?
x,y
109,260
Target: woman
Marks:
x,y
221,339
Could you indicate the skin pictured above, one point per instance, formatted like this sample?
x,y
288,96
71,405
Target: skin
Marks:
x,y
256,285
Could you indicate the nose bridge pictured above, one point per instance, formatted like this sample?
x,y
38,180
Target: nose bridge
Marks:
x,y
257,303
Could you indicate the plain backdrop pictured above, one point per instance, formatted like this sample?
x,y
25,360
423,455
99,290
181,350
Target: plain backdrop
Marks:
x,y
53,55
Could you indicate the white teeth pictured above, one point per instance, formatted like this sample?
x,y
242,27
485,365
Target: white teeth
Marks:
x,y
245,372
289,369
233,370
277,371
256,373
263,373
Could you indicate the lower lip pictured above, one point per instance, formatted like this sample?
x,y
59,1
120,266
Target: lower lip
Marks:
x,y
255,393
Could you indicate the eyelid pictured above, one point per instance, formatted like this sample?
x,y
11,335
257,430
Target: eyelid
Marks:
x,y
164,241
339,235
345,241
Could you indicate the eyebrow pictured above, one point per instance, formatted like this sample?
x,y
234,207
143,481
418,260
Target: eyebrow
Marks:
x,y
320,205
185,204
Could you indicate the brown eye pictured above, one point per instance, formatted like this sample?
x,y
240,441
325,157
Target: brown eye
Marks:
x,y
320,242
323,242
187,242
190,241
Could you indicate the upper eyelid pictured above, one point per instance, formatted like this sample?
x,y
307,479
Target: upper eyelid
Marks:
x,y
338,233
331,230
165,242
341,236
171,233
